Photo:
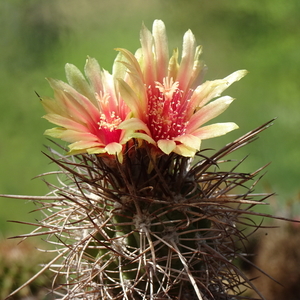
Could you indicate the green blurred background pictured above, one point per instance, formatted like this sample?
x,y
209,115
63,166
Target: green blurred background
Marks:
x,y
39,37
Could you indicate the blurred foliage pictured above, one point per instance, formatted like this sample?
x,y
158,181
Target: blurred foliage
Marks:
x,y
18,263
278,254
40,36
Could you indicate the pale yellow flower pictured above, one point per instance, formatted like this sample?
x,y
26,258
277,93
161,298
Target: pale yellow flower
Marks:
x,y
88,110
168,100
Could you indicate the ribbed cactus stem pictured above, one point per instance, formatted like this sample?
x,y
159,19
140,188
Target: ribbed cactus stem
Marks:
x,y
152,227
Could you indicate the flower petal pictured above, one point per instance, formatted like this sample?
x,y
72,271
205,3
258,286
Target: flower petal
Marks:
x,y
136,104
95,150
119,68
83,145
134,124
187,61
214,130
173,65
69,99
131,63
72,136
161,49
185,151
147,46
65,122
189,140
113,148
212,89
93,73
78,81
143,136
208,112
199,69
166,146
235,76
130,127
55,132
50,106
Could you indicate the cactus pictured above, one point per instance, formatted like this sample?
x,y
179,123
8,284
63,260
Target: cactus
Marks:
x,y
140,211
122,231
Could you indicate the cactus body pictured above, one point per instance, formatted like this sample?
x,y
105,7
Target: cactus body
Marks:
x,y
150,228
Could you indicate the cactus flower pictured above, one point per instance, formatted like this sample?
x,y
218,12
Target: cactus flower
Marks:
x,y
168,101
152,226
88,111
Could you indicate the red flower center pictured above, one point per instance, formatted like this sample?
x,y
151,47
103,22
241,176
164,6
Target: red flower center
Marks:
x,y
166,115
107,131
